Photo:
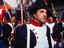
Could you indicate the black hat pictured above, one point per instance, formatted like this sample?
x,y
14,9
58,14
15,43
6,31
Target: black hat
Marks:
x,y
38,4
49,14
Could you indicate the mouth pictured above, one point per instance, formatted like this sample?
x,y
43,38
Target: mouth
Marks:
x,y
45,18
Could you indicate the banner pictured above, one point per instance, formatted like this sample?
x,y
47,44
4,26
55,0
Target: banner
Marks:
x,y
8,3
11,3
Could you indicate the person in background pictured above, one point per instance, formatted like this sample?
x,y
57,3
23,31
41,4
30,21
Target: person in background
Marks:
x,y
8,29
1,35
2,43
50,23
61,26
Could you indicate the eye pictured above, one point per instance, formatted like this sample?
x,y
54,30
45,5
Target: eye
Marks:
x,y
46,12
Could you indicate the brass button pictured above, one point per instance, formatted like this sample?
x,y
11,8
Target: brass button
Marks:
x,y
37,37
33,29
35,33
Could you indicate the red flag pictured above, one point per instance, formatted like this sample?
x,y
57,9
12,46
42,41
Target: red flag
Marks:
x,y
8,3
2,14
3,7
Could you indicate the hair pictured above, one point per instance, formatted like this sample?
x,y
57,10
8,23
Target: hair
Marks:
x,y
7,16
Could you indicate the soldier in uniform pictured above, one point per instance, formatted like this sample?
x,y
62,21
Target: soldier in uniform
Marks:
x,y
51,24
39,32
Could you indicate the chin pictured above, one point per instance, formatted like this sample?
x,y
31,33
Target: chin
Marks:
x,y
43,21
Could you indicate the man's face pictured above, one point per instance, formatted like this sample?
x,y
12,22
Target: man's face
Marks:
x,y
41,15
13,18
50,19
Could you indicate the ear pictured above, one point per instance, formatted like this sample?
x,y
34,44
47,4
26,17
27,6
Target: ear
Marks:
x,y
34,14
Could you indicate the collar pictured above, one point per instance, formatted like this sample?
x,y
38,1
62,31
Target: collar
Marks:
x,y
61,20
49,22
33,22
9,21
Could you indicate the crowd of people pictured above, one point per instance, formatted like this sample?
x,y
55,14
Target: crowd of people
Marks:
x,y
46,30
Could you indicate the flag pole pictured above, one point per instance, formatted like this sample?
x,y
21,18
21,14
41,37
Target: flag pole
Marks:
x,y
54,12
28,32
21,6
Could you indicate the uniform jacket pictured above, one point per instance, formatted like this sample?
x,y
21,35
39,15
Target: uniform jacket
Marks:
x,y
21,36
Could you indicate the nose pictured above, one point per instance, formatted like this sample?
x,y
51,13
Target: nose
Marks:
x,y
45,14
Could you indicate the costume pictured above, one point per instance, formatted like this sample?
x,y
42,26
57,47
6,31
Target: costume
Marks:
x,y
51,26
5,30
1,37
6,33
38,36
61,29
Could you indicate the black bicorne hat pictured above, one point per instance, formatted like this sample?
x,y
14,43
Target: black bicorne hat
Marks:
x,y
38,4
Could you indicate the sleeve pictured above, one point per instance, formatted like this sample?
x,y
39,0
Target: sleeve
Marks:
x,y
56,33
20,37
7,30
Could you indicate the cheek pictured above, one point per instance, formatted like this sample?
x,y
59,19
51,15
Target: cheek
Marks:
x,y
39,17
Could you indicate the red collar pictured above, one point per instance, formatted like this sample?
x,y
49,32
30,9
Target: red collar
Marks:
x,y
33,22
61,20
9,21
49,22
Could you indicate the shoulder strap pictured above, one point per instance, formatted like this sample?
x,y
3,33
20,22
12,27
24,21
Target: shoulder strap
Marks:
x,y
28,36
49,38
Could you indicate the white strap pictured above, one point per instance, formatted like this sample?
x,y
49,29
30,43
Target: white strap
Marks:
x,y
28,36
